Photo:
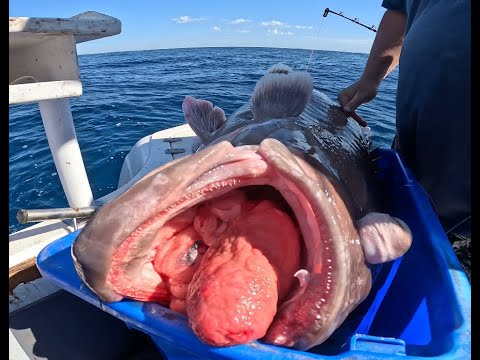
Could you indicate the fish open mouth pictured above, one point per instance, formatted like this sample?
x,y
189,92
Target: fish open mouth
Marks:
x,y
250,242
228,244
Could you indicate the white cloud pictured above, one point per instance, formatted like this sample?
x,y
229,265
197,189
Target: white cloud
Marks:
x,y
187,19
216,28
279,32
303,27
272,23
244,31
239,21
281,24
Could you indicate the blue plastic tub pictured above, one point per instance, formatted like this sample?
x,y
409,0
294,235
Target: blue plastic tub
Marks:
x,y
419,306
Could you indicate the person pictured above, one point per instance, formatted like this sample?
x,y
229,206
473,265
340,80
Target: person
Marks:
x,y
430,41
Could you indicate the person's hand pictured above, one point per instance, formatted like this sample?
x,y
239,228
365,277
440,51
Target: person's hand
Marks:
x,y
355,95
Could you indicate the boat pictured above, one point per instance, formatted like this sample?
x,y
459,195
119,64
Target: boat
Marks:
x,y
420,306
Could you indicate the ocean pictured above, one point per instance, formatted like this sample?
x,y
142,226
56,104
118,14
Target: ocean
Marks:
x,y
129,95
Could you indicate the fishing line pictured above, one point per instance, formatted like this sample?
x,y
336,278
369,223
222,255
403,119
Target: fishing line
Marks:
x,y
453,227
460,223
316,38
22,79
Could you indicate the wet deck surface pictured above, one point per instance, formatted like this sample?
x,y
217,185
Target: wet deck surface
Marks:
x,y
462,246
63,326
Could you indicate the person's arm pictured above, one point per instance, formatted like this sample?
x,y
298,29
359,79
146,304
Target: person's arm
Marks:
x,y
386,48
383,58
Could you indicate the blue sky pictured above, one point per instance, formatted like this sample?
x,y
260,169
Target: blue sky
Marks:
x,y
160,24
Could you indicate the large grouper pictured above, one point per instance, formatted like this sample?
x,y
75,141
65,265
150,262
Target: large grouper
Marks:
x,y
267,231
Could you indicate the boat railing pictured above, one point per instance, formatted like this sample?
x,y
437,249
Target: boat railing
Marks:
x,y
43,68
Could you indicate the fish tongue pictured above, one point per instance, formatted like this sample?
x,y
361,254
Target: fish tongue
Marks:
x,y
233,296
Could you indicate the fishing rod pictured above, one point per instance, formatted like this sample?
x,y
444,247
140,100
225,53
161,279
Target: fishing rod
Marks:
x,y
327,10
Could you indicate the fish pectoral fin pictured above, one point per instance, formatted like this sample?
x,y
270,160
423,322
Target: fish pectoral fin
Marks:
x,y
203,117
281,93
383,237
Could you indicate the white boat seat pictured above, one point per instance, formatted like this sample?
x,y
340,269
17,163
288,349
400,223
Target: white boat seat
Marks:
x,y
149,153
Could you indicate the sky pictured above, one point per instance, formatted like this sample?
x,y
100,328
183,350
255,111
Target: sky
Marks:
x,y
163,24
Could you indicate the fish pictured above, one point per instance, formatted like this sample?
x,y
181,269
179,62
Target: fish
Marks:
x,y
268,231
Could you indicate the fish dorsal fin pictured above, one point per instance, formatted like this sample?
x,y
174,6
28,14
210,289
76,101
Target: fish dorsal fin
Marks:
x,y
281,93
203,117
279,69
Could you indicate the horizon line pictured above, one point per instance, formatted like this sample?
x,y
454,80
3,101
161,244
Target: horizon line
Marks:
x,y
221,47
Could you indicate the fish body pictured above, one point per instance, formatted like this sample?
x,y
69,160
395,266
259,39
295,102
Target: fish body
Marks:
x,y
266,232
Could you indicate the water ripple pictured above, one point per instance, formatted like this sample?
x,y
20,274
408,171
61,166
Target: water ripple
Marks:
x,y
132,94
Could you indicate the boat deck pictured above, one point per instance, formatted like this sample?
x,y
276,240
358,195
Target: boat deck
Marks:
x,y
86,332
33,300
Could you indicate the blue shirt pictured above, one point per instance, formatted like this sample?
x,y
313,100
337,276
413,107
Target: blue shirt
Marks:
x,y
433,104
